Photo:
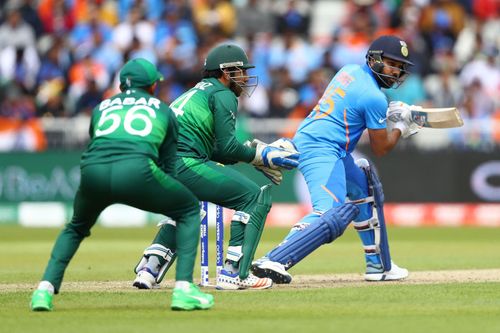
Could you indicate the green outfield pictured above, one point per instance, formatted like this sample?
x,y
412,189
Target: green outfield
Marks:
x,y
455,287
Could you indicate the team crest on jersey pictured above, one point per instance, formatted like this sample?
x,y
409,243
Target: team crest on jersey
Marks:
x,y
404,48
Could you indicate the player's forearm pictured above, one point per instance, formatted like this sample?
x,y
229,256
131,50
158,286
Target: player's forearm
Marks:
x,y
382,144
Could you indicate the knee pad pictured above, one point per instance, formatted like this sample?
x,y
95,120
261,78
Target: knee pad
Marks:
x,y
326,229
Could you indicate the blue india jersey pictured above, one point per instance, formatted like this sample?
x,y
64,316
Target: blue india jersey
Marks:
x,y
351,103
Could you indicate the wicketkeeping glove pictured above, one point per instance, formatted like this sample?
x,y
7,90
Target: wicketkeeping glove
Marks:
x,y
274,157
276,176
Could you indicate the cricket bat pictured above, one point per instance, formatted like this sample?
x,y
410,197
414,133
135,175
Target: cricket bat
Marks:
x,y
436,117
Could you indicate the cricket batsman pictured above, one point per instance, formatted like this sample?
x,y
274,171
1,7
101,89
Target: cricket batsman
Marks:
x,y
130,160
207,118
352,102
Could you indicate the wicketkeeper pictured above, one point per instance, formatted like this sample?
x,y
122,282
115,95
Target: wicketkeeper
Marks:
x,y
207,120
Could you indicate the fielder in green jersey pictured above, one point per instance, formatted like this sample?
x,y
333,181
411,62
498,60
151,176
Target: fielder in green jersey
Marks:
x,y
130,160
207,118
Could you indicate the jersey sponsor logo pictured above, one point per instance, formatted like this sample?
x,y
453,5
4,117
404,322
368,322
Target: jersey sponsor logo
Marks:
x,y
381,120
232,114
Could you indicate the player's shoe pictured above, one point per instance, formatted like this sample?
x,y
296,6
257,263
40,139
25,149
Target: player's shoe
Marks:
x,y
41,300
232,281
145,280
376,273
265,268
191,299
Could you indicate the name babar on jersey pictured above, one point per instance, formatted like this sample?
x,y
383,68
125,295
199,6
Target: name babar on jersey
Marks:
x,y
151,101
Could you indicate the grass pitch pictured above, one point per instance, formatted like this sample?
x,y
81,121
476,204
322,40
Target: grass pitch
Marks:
x,y
328,294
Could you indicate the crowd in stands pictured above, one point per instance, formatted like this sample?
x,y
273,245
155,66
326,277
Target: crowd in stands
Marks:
x,y
59,58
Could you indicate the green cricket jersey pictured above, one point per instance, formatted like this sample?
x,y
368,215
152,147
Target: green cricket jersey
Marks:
x,y
131,124
207,118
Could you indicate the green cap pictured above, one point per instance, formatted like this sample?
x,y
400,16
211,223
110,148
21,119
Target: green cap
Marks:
x,y
139,73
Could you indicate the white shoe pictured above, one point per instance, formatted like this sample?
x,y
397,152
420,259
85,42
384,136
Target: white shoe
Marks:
x,y
232,281
145,280
396,273
264,267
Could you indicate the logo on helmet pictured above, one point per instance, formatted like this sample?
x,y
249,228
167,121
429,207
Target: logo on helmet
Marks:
x,y
404,48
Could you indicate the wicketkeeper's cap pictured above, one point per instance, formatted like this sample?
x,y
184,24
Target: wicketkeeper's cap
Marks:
x,y
137,73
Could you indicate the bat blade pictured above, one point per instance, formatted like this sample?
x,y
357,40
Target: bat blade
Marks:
x,y
436,117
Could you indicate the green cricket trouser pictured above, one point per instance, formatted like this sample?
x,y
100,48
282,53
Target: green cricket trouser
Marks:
x,y
214,182
135,182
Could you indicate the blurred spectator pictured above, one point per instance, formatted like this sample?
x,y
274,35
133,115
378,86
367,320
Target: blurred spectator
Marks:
x,y
254,17
444,87
55,62
484,69
57,18
283,95
352,39
258,105
20,65
169,89
89,99
175,42
293,16
81,73
19,128
134,27
295,55
441,21
477,104
28,11
175,26
50,99
486,9
104,11
214,16
309,95
477,110
83,36
15,32
152,9
106,53
140,50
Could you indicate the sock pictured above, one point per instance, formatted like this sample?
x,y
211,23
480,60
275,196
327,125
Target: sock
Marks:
x,y
46,285
184,285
